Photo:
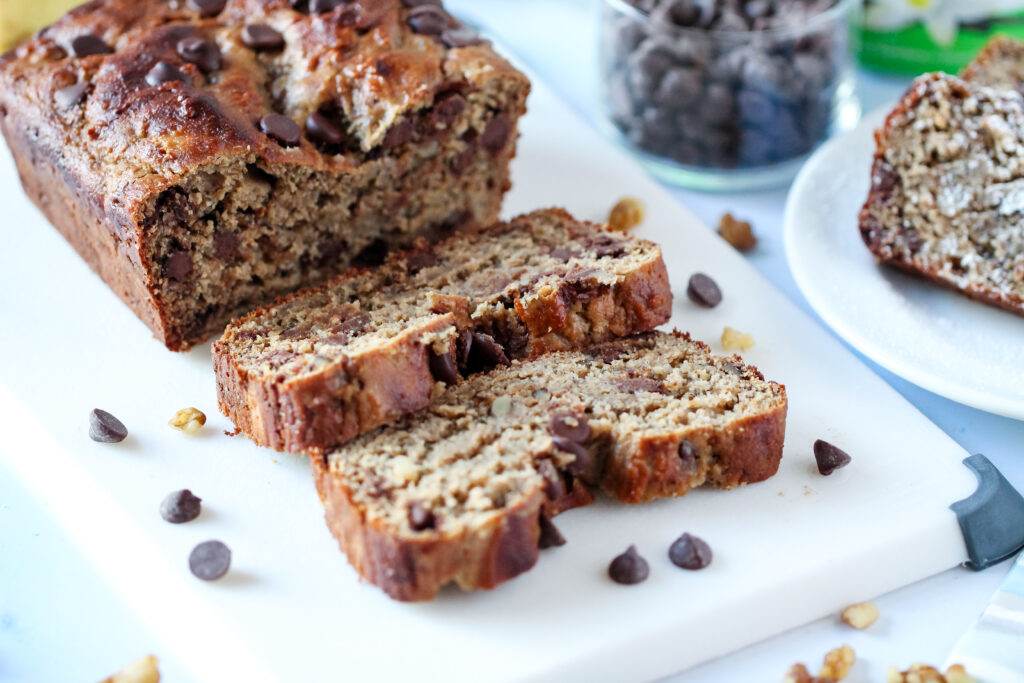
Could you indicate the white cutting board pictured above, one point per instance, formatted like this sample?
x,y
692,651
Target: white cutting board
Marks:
x,y
786,551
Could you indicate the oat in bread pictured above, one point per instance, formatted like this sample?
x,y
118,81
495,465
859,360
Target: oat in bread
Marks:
x,y
324,365
947,189
458,491
1000,64
204,162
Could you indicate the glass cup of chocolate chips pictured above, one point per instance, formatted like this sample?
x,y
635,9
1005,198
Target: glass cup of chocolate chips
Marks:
x,y
727,94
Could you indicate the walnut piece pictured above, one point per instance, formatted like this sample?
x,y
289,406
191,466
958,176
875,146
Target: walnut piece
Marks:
x,y
188,420
626,214
861,615
836,667
142,670
737,233
922,673
733,340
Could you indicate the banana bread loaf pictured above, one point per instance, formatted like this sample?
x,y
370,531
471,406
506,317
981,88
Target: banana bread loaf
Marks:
x,y
464,490
205,156
323,365
1000,64
947,189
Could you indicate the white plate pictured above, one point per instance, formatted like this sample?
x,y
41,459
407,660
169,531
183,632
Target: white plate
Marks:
x,y
935,338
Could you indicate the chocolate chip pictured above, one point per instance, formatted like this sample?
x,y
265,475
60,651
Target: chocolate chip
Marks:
x,y
496,133
442,367
446,109
554,485
178,266
569,426
550,536
462,36
484,353
202,53
71,95
282,129
262,37
829,458
225,245
690,552
84,46
420,518
703,291
399,134
180,507
583,465
733,369
165,72
206,8
323,6
106,428
629,568
209,560
463,160
429,20
634,385
688,454
322,130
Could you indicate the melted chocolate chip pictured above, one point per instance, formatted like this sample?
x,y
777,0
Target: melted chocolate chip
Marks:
x,y
554,485
209,560
178,266
323,6
71,95
206,8
703,291
462,36
606,352
443,367
732,369
463,160
180,507
420,518
463,345
84,46
165,72
428,20
225,245
633,385
373,254
496,133
323,131
399,134
629,568
688,456
829,457
281,129
202,53
569,426
550,536
485,353
262,37
419,258
583,465
690,552
106,428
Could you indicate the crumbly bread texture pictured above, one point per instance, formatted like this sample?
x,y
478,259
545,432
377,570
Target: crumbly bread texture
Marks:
x,y
323,365
947,189
254,161
1000,65
462,491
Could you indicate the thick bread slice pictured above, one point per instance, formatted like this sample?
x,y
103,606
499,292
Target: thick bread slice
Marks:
x,y
323,365
1000,65
947,189
457,492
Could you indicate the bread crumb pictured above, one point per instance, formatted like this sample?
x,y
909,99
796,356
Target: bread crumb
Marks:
x,y
737,233
142,670
188,420
733,340
860,615
922,673
626,214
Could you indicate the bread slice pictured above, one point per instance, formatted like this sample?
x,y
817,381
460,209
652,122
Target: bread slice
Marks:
x,y
1000,65
464,490
323,365
947,189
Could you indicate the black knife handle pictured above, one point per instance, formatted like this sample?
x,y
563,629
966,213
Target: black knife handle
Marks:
x,y
991,518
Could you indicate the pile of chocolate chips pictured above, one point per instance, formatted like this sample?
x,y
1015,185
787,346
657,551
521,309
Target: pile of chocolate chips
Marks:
x,y
723,83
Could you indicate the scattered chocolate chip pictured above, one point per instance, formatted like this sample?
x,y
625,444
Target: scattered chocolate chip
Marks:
x,y
178,266
322,130
629,568
582,466
703,291
829,457
206,8
462,36
569,426
554,485
262,37
71,95
323,6
225,245
209,560
165,72
180,507
106,428
399,134
282,129
484,353
429,20
84,46
690,552
496,133
202,53
550,536
442,367
420,518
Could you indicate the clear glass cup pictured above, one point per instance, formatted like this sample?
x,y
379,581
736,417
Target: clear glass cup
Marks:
x,y
726,109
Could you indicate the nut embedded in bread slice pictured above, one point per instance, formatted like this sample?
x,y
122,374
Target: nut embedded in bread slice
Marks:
x,y
457,491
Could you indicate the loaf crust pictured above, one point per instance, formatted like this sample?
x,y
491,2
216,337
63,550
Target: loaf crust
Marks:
x,y
192,215
534,308
732,421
